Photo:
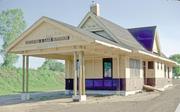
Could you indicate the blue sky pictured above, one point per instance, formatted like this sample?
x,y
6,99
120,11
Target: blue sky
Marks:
x,y
127,13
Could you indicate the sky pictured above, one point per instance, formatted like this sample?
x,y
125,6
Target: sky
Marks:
x,y
165,14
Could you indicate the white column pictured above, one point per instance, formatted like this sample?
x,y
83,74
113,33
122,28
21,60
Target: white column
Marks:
x,y
80,73
83,76
27,74
25,95
82,96
23,74
75,96
118,70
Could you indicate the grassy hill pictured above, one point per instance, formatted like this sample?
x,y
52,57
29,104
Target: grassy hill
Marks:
x,y
39,80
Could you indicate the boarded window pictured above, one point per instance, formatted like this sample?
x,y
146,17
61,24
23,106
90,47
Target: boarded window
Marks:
x,y
150,65
134,67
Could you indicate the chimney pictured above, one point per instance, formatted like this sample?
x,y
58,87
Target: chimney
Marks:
x,y
95,8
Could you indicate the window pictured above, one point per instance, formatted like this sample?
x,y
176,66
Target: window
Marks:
x,y
158,65
134,67
103,34
161,66
107,67
150,65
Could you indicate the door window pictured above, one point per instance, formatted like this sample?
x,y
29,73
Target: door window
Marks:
x,y
107,67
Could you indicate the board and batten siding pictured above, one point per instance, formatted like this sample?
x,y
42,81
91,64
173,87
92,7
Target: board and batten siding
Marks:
x,y
94,68
135,72
162,74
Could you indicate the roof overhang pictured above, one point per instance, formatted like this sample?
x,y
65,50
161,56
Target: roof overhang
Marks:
x,y
158,57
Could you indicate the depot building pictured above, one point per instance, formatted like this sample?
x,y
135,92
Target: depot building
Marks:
x,y
100,56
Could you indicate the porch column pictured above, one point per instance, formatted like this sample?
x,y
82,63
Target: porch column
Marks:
x,y
27,74
75,97
83,76
82,96
80,73
118,72
25,78
23,74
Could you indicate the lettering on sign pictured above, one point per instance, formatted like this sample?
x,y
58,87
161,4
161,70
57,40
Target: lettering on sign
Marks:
x,y
49,39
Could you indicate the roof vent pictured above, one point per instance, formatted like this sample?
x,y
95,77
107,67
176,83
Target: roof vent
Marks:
x,y
95,8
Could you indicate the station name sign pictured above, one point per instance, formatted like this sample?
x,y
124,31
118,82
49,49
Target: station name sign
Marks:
x,y
48,39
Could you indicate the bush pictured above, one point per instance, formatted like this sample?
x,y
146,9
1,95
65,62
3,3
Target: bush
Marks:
x,y
53,66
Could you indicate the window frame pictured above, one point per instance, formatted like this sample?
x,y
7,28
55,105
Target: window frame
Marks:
x,y
151,63
104,61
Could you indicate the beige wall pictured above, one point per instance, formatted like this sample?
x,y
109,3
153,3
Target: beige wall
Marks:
x,y
94,69
69,68
115,65
159,73
46,30
162,82
124,67
134,82
161,79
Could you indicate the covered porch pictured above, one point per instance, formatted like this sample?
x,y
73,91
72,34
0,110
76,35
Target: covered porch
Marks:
x,y
75,65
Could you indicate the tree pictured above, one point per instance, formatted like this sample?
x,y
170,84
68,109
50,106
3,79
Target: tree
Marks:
x,y
53,65
11,25
176,57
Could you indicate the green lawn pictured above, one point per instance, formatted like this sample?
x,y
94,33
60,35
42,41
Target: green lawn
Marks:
x,y
39,80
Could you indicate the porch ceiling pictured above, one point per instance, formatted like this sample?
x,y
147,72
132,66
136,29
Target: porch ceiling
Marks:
x,y
63,53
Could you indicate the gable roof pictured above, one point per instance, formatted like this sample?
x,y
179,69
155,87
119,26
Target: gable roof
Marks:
x,y
88,36
35,25
121,35
94,18
145,36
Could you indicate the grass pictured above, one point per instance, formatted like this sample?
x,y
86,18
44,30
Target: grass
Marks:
x,y
39,80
